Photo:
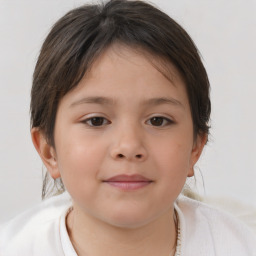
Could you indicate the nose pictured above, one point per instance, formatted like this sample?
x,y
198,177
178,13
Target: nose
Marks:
x,y
129,145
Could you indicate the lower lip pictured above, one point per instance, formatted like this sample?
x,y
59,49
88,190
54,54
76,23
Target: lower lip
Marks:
x,y
129,185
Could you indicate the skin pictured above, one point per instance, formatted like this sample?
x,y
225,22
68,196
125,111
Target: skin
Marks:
x,y
145,129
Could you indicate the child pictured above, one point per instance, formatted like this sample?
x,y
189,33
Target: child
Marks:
x,y
119,112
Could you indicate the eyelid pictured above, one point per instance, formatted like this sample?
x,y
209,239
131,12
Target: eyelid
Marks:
x,y
169,120
88,118
163,115
92,115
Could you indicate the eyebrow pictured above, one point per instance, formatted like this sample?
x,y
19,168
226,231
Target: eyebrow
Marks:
x,y
94,100
163,100
110,101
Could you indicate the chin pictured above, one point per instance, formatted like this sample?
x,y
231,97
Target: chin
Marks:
x,y
129,219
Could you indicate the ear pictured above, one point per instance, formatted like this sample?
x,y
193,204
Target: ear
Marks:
x,y
46,152
197,149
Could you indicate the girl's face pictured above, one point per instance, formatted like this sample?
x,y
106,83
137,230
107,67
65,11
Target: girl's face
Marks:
x,y
124,140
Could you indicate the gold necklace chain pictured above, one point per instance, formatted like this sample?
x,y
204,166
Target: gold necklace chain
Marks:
x,y
178,240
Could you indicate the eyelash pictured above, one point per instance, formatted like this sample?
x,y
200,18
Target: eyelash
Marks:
x,y
163,119
103,121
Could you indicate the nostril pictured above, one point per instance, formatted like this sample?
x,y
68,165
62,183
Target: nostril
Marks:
x,y
139,156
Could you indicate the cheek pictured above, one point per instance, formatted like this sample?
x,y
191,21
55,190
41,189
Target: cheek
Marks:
x,y
172,160
78,160
173,167
174,152
76,146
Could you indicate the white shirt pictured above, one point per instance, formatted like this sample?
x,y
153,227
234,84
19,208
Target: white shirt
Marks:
x,y
205,231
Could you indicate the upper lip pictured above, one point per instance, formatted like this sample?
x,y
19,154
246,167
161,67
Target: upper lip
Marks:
x,y
127,178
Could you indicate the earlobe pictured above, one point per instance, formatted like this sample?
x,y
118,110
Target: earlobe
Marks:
x,y
196,151
46,152
191,172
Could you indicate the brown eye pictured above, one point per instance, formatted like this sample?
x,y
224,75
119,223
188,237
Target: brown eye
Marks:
x,y
96,121
159,121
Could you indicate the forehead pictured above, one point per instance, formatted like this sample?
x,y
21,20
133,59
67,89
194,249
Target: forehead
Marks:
x,y
122,70
137,56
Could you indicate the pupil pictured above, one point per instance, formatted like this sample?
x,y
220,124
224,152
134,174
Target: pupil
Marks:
x,y
157,121
97,121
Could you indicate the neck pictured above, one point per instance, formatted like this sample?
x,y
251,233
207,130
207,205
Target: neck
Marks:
x,y
155,238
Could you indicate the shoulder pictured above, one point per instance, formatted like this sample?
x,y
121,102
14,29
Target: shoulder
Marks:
x,y
214,230
34,228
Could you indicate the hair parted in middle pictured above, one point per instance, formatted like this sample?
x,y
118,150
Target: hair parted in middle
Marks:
x,y
83,34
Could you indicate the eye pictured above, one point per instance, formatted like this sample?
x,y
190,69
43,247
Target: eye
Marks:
x,y
96,121
159,121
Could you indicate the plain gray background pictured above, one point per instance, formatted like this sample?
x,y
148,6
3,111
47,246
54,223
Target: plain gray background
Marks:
x,y
225,34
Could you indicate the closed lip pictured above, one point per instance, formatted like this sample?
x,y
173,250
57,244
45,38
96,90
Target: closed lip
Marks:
x,y
128,182
128,178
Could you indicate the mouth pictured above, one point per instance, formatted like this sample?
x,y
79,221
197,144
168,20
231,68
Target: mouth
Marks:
x,y
128,182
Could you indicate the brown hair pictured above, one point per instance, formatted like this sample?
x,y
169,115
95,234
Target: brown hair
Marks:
x,y
80,36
